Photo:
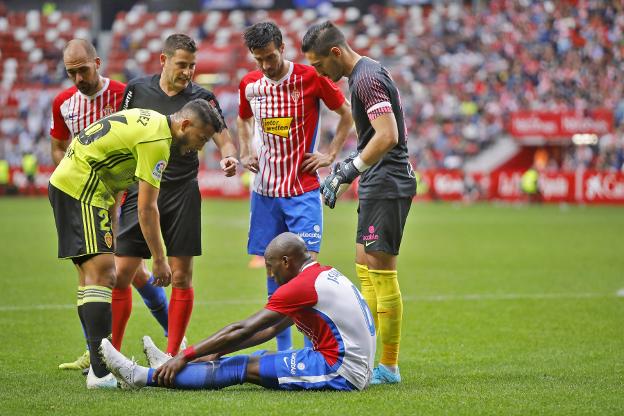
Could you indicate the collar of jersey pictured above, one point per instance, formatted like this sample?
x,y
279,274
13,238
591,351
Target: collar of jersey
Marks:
x,y
285,77
308,265
105,82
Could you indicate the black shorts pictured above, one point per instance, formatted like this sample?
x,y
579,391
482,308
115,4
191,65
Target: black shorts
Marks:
x,y
179,205
83,230
381,223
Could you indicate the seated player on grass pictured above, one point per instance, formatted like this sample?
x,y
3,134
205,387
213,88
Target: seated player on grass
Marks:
x,y
319,300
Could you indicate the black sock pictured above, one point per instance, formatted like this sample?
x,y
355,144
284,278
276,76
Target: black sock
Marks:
x,y
97,315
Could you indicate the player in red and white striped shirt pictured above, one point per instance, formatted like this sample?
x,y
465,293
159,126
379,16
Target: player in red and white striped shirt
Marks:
x,y
280,108
90,98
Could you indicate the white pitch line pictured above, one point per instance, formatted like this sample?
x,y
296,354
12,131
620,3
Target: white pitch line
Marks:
x,y
431,298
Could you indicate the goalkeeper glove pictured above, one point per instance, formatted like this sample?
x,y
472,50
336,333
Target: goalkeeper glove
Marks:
x,y
343,174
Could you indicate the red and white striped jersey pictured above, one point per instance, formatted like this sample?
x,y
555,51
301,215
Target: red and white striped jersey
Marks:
x,y
72,111
287,118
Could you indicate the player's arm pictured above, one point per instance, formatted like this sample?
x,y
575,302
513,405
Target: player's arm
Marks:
x,y
248,155
385,138
224,340
149,220
314,161
58,149
228,152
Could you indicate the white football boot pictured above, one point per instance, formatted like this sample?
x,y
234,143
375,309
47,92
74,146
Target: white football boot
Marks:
x,y
107,382
155,357
129,374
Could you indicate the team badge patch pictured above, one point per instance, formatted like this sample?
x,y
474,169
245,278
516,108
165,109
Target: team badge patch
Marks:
x,y
108,110
279,126
108,239
158,170
295,95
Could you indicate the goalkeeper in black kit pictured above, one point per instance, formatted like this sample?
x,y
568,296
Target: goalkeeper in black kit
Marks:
x,y
387,183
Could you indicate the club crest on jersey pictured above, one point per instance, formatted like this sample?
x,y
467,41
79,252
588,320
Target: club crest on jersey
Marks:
x,y
279,126
295,95
108,110
108,239
158,170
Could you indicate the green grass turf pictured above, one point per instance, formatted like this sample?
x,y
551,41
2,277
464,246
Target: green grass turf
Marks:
x,y
508,310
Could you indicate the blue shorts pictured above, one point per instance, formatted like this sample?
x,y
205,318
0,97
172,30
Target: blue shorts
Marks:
x,y
303,369
271,216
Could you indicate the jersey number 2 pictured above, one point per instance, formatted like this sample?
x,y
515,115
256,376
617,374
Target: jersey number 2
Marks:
x,y
100,128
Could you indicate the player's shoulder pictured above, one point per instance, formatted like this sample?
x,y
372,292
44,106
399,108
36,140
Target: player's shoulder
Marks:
x,y
303,69
251,77
366,73
116,86
141,81
314,270
197,91
64,95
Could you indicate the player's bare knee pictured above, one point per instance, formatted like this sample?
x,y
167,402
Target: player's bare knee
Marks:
x,y
181,279
380,260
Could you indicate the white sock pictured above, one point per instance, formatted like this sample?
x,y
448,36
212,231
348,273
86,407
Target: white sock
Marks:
x,y
140,376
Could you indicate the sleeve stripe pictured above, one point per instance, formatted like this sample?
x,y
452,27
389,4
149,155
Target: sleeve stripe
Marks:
x,y
377,106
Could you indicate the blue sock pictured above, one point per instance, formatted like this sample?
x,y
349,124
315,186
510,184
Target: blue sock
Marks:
x,y
284,340
209,375
155,299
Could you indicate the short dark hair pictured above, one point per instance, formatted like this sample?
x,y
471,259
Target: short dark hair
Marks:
x,y
205,112
321,37
178,41
261,34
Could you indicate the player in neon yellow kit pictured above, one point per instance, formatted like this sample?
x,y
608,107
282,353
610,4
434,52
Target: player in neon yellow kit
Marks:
x,y
102,160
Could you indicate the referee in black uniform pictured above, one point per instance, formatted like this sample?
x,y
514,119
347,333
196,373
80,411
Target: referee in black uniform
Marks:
x,y
179,201
387,183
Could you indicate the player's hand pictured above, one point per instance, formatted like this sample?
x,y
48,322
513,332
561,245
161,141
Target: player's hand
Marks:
x,y
165,374
228,165
313,161
161,272
343,174
250,163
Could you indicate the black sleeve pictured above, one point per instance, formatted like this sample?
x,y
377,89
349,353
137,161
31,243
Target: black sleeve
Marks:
x,y
126,103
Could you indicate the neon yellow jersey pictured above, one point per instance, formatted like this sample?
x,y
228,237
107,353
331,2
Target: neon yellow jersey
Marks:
x,y
112,153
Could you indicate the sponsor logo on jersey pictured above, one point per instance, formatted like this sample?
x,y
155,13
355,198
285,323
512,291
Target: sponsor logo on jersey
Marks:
x,y
71,116
108,239
279,126
158,170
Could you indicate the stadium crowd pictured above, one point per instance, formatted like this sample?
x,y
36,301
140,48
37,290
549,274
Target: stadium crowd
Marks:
x,y
461,71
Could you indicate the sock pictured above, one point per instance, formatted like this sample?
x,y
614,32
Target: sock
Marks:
x,y
390,314
284,338
209,375
97,316
155,299
368,290
180,309
79,303
121,309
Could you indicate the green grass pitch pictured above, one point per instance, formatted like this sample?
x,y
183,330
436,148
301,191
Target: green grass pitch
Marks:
x,y
508,310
